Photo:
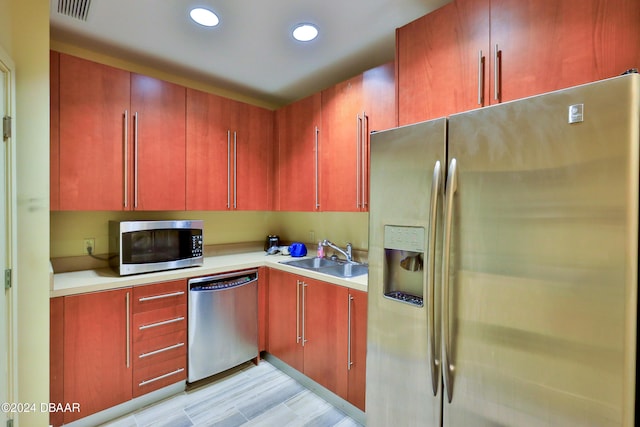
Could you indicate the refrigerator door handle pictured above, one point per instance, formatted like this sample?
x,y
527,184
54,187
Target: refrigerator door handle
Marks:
x,y
447,366
436,183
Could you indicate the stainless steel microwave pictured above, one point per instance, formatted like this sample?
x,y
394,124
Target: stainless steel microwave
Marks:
x,y
145,246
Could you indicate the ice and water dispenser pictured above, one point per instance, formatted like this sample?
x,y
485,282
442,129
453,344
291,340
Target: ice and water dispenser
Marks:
x,y
404,248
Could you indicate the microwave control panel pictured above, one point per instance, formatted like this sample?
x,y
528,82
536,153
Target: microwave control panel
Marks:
x,y
196,245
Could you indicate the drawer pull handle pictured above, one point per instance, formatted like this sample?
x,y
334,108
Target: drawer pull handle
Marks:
x,y
162,350
155,297
165,322
161,377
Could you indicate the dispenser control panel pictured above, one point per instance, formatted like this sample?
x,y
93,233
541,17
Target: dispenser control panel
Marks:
x,y
404,238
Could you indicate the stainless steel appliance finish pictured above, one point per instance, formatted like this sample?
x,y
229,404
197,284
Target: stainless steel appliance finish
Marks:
x,y
529,285
146,246
223,322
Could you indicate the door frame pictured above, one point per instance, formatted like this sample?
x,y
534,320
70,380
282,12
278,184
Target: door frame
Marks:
x,y
8,230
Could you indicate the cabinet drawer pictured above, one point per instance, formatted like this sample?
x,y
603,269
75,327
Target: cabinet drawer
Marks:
x,y
150,324
159,349
159,375
159,295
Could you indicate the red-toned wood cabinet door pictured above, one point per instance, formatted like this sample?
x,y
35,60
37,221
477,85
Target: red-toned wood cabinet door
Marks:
x,y
379,87
263,308
159,147
341,138
324,326
298,136
357,341
442,62
549,45
285,318
54,131
94,103
97,351
379,114
254,168
56,358
209,152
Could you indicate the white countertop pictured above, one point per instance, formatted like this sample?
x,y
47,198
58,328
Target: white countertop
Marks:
x,y
77,282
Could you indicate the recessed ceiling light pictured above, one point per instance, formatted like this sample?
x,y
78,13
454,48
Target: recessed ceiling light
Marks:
x,y
204,17
305,32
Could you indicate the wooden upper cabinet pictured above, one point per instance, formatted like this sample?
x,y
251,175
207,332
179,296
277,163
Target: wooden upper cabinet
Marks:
x,y
342,140
121,139
254,168
350,111
94,100
379,86
550,45
473,53
297,159
229,154
441,61
159,166
209,152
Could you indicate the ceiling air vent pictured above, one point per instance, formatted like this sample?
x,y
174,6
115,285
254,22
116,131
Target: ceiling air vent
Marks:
x,y
78,9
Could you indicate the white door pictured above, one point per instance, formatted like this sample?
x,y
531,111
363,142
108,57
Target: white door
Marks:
x,y
6,345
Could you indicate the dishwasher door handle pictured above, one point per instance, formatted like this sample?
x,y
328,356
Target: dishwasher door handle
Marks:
x,y
198,287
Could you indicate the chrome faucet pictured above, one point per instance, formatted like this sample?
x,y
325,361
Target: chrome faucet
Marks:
x,y
348,253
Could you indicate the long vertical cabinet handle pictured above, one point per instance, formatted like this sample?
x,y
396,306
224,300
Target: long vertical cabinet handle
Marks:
x,y
480,78
447,369
317,131
235,170
298,336
128,332
135,159
497,55
228,169
436,191
304,314
126,158
358,158
364,139
349,361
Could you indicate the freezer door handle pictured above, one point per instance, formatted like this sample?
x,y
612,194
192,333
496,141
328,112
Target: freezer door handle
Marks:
x,y
447,365
436,190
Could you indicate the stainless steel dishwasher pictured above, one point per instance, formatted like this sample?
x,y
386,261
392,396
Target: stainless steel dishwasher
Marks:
x,y
223,322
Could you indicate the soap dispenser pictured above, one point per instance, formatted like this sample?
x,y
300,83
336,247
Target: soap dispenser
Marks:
x,y
320,253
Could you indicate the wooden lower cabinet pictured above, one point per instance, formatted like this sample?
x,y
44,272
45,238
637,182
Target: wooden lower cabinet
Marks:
x,y
284,318
319,329
357,370
96,363
263,305
111,346
159,335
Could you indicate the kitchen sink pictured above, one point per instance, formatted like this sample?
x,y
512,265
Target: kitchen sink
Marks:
x,y
312,263
346,270
329,266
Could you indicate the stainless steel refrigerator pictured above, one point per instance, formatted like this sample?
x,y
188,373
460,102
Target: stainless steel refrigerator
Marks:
x,y
503,264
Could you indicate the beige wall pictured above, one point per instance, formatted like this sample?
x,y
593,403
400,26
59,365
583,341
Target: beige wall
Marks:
x,y
68,229
24,34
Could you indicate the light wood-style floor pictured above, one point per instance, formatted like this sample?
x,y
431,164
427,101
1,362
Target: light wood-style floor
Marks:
x,y
252,396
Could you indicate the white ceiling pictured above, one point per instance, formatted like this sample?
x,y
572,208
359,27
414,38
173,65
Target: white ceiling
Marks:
x,y
251,51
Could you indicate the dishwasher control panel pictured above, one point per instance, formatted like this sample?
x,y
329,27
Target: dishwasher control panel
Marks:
x,y
224,281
